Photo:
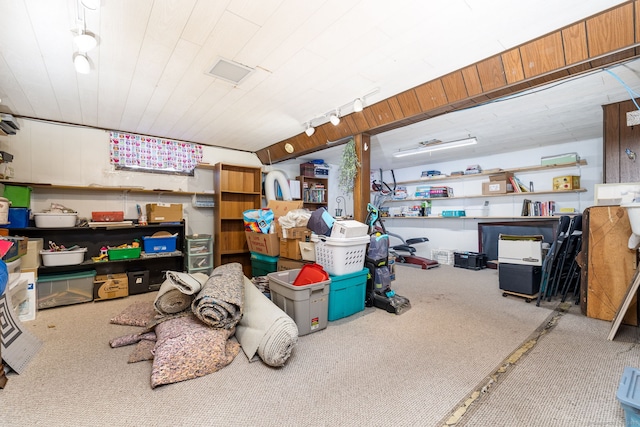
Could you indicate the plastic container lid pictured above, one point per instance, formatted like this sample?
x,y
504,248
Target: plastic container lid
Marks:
x,y
309,274
629,388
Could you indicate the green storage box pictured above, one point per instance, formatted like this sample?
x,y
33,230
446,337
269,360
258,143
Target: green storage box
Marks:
x,y
124,253
262,264
18,195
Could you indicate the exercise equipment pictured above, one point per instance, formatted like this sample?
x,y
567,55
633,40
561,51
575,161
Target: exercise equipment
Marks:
x,y
405,252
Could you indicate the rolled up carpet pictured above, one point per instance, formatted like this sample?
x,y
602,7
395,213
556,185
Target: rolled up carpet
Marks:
x,y
220,302
177,291
265,329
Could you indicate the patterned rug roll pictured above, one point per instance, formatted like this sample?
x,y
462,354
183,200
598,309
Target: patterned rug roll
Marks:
x,y
177,291
220,302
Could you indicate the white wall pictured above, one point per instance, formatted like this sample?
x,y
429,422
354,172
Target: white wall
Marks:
x,y
462,234
70,155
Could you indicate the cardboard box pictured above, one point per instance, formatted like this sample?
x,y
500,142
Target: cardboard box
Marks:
x,y
32,260
109,286
289,264
290,248
567,182
164,212
523,252
282,207
349,228
502,176
266,244
496,187
297,233
18,249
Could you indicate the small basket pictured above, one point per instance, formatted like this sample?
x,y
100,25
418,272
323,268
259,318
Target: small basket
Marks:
x,y
340,256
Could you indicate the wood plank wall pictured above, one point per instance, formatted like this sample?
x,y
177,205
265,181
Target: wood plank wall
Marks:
x,y
603,39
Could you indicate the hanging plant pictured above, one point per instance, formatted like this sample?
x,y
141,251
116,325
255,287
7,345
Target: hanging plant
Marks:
x,y
349,166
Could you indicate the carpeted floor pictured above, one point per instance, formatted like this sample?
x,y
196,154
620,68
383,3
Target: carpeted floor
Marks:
x,y
440,362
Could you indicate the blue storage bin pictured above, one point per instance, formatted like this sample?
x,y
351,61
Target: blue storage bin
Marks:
x,y
629,395
19,217
347,294
159,244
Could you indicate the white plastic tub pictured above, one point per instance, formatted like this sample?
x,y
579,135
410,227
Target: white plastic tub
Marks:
x,y
55,219
55,258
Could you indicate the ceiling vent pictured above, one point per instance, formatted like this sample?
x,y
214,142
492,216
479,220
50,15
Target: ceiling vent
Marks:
x,y
229,71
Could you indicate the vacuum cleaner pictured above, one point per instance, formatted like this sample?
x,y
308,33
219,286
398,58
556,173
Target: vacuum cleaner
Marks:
x,y
379,293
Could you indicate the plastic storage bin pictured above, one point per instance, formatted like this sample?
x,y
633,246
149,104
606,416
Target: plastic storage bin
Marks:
x,y
18,217
261,264
340,256
307,305
124,253
159,244
55,258
347,294
55,219
628,395
64,289
18,195
107,216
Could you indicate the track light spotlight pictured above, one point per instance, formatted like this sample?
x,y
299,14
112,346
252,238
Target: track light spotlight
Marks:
x,y
84,41
335,118
358,105
81,63
310,129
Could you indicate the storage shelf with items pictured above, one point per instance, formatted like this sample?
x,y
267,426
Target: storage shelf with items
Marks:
x,y
236,189
95,239
314,191
516,199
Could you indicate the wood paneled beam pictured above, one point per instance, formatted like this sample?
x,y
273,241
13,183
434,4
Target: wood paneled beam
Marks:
x,y
604,39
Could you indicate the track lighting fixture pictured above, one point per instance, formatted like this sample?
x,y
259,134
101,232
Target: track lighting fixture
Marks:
x,y
335,118
81,63
84,41
310,129
358,105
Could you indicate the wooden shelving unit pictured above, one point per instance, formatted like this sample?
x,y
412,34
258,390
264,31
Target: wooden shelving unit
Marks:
x,y
485,174
314,191
236,189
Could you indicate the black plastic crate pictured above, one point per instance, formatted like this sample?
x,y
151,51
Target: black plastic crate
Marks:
x,y
470,260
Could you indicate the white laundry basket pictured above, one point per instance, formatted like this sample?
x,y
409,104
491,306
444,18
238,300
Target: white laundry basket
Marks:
x,y
339,255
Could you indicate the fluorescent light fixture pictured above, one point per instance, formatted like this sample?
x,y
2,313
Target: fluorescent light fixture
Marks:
x,y
81,63
436,145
